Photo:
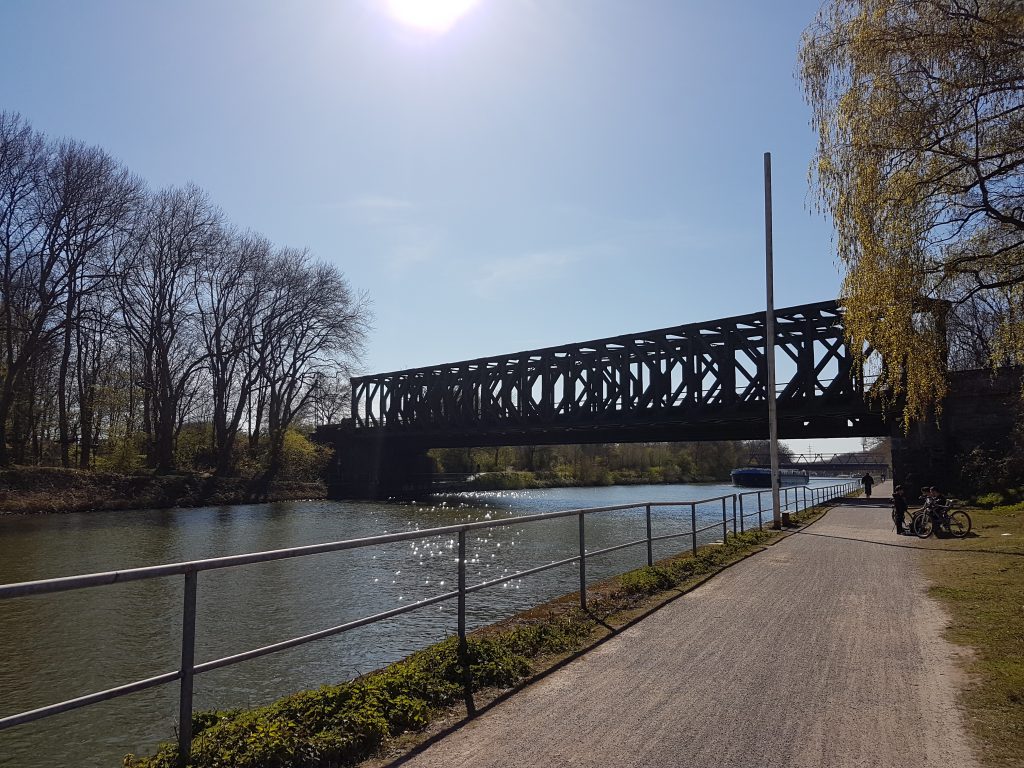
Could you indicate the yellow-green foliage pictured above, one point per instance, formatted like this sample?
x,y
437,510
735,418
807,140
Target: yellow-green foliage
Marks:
x,y
192,449
907,95
302,459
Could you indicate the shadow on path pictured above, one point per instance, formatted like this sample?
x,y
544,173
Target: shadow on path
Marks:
x,y
899,545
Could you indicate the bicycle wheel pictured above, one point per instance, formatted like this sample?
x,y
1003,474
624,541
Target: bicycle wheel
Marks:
x,y
959,524
923,525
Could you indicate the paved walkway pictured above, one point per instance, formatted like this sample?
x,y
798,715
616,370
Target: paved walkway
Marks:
x,y
823,650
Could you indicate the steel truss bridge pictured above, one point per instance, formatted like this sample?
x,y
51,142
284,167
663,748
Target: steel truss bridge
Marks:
x,y
701,381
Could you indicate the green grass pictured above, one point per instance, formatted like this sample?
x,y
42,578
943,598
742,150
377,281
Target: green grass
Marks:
x,y
340,725
981,581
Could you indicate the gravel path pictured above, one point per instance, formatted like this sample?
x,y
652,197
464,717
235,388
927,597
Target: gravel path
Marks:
x,y
824,650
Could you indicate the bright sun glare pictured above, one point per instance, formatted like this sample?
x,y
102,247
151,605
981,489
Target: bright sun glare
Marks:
x,y
430,15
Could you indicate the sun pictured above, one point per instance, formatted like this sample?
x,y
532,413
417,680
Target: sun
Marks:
x,y
430,15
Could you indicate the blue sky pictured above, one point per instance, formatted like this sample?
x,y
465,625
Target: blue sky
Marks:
x,y
546,171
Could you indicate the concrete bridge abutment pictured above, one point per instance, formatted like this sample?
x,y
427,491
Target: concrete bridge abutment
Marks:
x,y
373,466
973,434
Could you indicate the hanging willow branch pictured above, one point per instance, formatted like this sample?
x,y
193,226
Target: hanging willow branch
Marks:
x,y
919,110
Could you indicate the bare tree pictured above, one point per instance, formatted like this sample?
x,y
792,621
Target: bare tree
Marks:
x,y
31,283
229,296
312,326
330,397
125,314
89,197
156,284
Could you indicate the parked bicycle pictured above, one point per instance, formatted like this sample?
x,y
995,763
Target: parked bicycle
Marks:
x,y
940,519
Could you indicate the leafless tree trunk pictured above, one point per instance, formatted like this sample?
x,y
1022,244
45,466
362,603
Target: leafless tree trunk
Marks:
x,y
313,324
92,197
229,294
157,300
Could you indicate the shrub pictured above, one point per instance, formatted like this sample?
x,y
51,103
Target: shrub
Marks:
x,y
646,581
302,459
342,724
989,500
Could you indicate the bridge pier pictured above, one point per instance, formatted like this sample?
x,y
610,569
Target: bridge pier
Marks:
x,y
974,432
373,466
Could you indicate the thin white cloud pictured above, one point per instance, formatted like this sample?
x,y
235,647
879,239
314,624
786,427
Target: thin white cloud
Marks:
x,y
502,275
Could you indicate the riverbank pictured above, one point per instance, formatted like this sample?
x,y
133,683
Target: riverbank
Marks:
x,y
46,490
523,480
407,702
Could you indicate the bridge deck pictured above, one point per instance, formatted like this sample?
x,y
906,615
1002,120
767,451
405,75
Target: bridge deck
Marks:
x,y
822,650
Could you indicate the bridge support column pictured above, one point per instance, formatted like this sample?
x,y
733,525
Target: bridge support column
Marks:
x,y
974,433
371,467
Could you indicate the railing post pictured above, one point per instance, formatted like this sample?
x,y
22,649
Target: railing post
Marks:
x,y
462,586
650,547
693,527
583,565
805,497
188,657
741,513
734,515
760,521
467,679
725,524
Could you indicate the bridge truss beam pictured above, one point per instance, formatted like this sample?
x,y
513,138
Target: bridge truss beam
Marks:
x,y
695,381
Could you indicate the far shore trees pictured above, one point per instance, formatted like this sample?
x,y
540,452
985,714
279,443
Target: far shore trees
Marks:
x,y
127,315
609,463
919,108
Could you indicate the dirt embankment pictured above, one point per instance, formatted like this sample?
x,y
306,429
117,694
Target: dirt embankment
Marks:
x,y
40,490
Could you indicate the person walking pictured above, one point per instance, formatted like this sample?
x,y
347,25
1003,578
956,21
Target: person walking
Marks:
x,y
899,509
867,481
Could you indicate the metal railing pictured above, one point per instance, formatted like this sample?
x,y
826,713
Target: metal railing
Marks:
x,y
817,494
190,571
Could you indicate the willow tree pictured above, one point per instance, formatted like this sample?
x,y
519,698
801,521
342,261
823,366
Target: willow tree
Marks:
x,y
919,109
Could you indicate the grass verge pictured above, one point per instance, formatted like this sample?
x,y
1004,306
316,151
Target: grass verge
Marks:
x,y
980,579
341,725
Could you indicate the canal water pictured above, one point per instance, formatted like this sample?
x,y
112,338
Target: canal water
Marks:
x,y
60,646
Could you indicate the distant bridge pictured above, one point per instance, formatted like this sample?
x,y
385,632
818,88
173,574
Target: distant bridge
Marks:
x,y
700,381
826,462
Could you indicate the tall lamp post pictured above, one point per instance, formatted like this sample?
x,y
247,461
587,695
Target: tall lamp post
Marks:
x,y
773,429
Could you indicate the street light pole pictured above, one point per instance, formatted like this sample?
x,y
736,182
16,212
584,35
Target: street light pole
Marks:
x,y
773,430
